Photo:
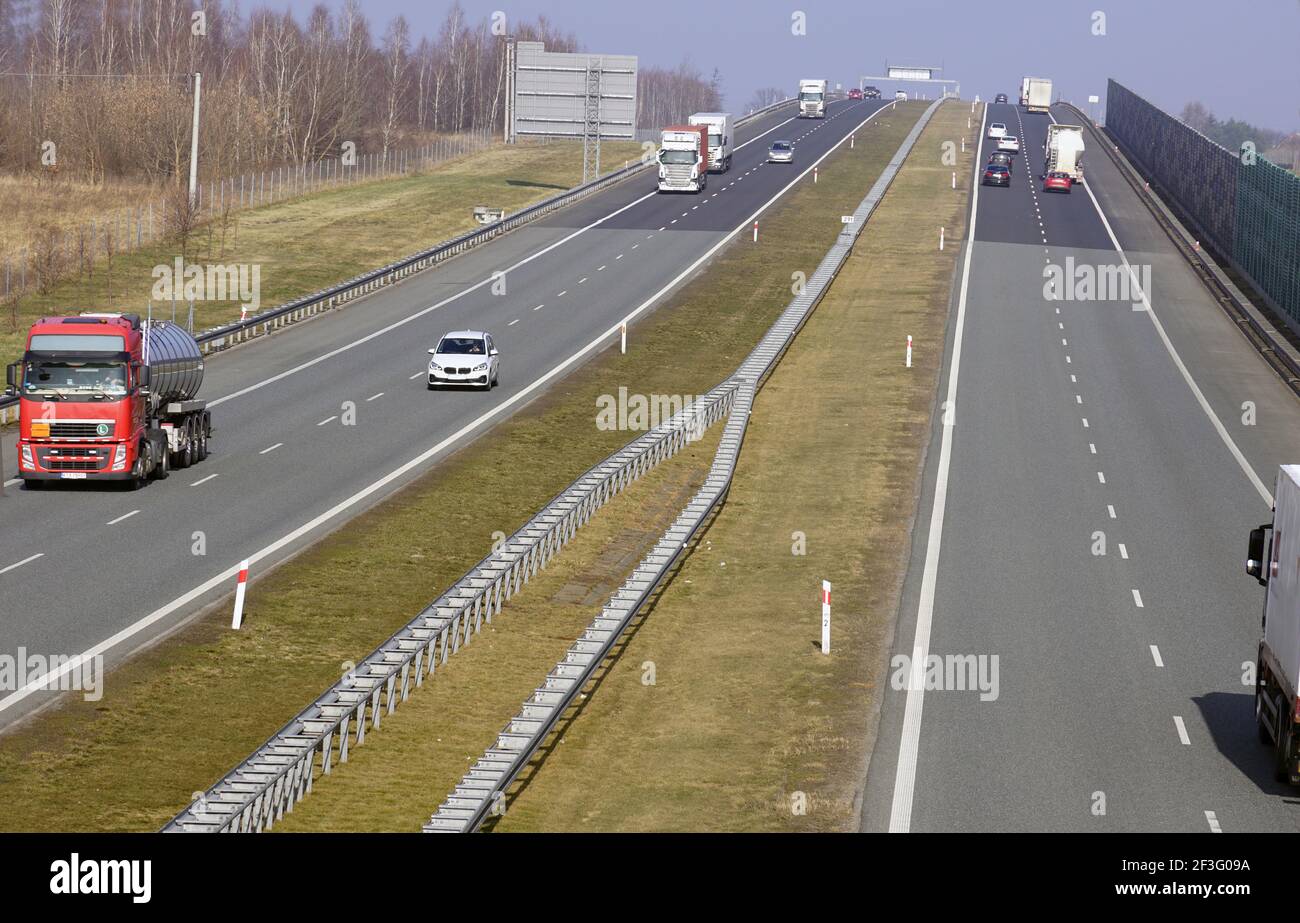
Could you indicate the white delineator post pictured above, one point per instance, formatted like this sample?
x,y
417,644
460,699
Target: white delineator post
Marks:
x,y
239,596
622,339
814,174
909,350
940,238
826,616
755,232
853,139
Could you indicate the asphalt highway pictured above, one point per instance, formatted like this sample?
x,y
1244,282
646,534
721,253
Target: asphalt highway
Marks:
x,y
95,569
1147,428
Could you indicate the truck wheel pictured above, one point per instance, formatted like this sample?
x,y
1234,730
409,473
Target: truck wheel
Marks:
x,y
202,448
164,466
1281,772
137,471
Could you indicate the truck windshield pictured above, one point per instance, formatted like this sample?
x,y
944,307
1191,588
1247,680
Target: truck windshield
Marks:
x,y
70,376
677,156
809,96
715,139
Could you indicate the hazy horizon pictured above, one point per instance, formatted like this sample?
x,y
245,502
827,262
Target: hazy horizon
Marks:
x,y
1171,55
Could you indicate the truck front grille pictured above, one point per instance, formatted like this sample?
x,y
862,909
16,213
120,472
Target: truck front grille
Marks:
x,y
677,174
81,430
74,460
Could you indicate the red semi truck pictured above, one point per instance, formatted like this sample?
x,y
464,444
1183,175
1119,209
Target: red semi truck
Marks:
x,y
108,397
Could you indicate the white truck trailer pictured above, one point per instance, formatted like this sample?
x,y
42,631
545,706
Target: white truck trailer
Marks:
x,y
1064,151
812,99
720,138
1038,94
1272,551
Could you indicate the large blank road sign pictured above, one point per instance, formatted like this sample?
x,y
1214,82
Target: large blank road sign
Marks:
x,y
551,92
910,73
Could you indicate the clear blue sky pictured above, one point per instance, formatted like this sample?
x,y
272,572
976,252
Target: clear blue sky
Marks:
x,y
1241,59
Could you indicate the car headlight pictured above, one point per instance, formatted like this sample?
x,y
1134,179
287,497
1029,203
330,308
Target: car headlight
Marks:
x,y
434,367
480,367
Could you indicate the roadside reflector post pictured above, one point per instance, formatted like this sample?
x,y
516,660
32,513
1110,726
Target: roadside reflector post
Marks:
x,y
814,174
909,350
853,139
954,179
940,238
239,596
826,616
755,232
623,339
963,141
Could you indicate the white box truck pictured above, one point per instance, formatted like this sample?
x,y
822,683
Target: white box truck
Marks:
x,y
684,158
720,138
812,99
1024,90
1038,94
1064,151
1273,558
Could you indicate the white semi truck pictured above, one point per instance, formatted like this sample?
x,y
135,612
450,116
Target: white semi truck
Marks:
x,y
684,158
1270,557
1038,94
812,99
1064,151
720,138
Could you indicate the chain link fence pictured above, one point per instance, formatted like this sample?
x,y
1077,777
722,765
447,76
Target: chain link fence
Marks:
x,y
1248,209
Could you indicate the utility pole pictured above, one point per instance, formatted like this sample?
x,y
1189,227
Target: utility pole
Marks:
x,y
194,142
591,122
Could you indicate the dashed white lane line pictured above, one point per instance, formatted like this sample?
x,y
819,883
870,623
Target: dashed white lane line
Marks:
x,y
1123,552
1110,509
582,280
1182,731
113,522
1085,422
1068,360
328,420
271,448
513,322
1137,599
1213,821
1078,399
664,228
204,480
374,397
540,306
1101,477
619,257
1092,448
562,294
6,570
415,376
674,221
634,246
1155,655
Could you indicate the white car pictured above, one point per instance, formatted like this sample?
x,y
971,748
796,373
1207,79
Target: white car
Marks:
x,y
997,130
780,152
1009,143
900,95
464,357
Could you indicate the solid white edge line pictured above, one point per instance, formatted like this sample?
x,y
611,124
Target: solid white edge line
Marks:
x,y
900,818
1178,361
43,681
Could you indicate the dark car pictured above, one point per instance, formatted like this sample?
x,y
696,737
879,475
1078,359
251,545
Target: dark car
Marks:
x,y
1000,98
1004,158
871,92
996,175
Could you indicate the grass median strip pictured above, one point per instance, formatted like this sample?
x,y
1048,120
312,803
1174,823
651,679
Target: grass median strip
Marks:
x,y
305,244
747,726
180,715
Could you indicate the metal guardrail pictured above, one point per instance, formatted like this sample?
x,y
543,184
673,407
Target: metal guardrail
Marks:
x,y
481,792
256,794
1259,333
231,334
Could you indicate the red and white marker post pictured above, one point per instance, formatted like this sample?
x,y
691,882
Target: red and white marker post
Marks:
x,y
239,597
814,174
826,616
755,232
622,345
909,350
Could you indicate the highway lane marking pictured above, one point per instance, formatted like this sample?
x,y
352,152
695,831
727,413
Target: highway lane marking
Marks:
x,y
1155,655
204,480
269,449
1137,599
513,322
113,522
1078,399
601,269
540,306
1178,361
328,420
224,577
21,563
1074,380
674,221
582,280
1069,361
1213,821
1063,343
1123,552
900,818
619,257
664,228
562,294
1101,478
415,376
374,397
1182,731
1092,448
1110,508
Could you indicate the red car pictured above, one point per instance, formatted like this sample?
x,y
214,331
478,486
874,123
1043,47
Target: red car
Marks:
x,y
1057,182
855,94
